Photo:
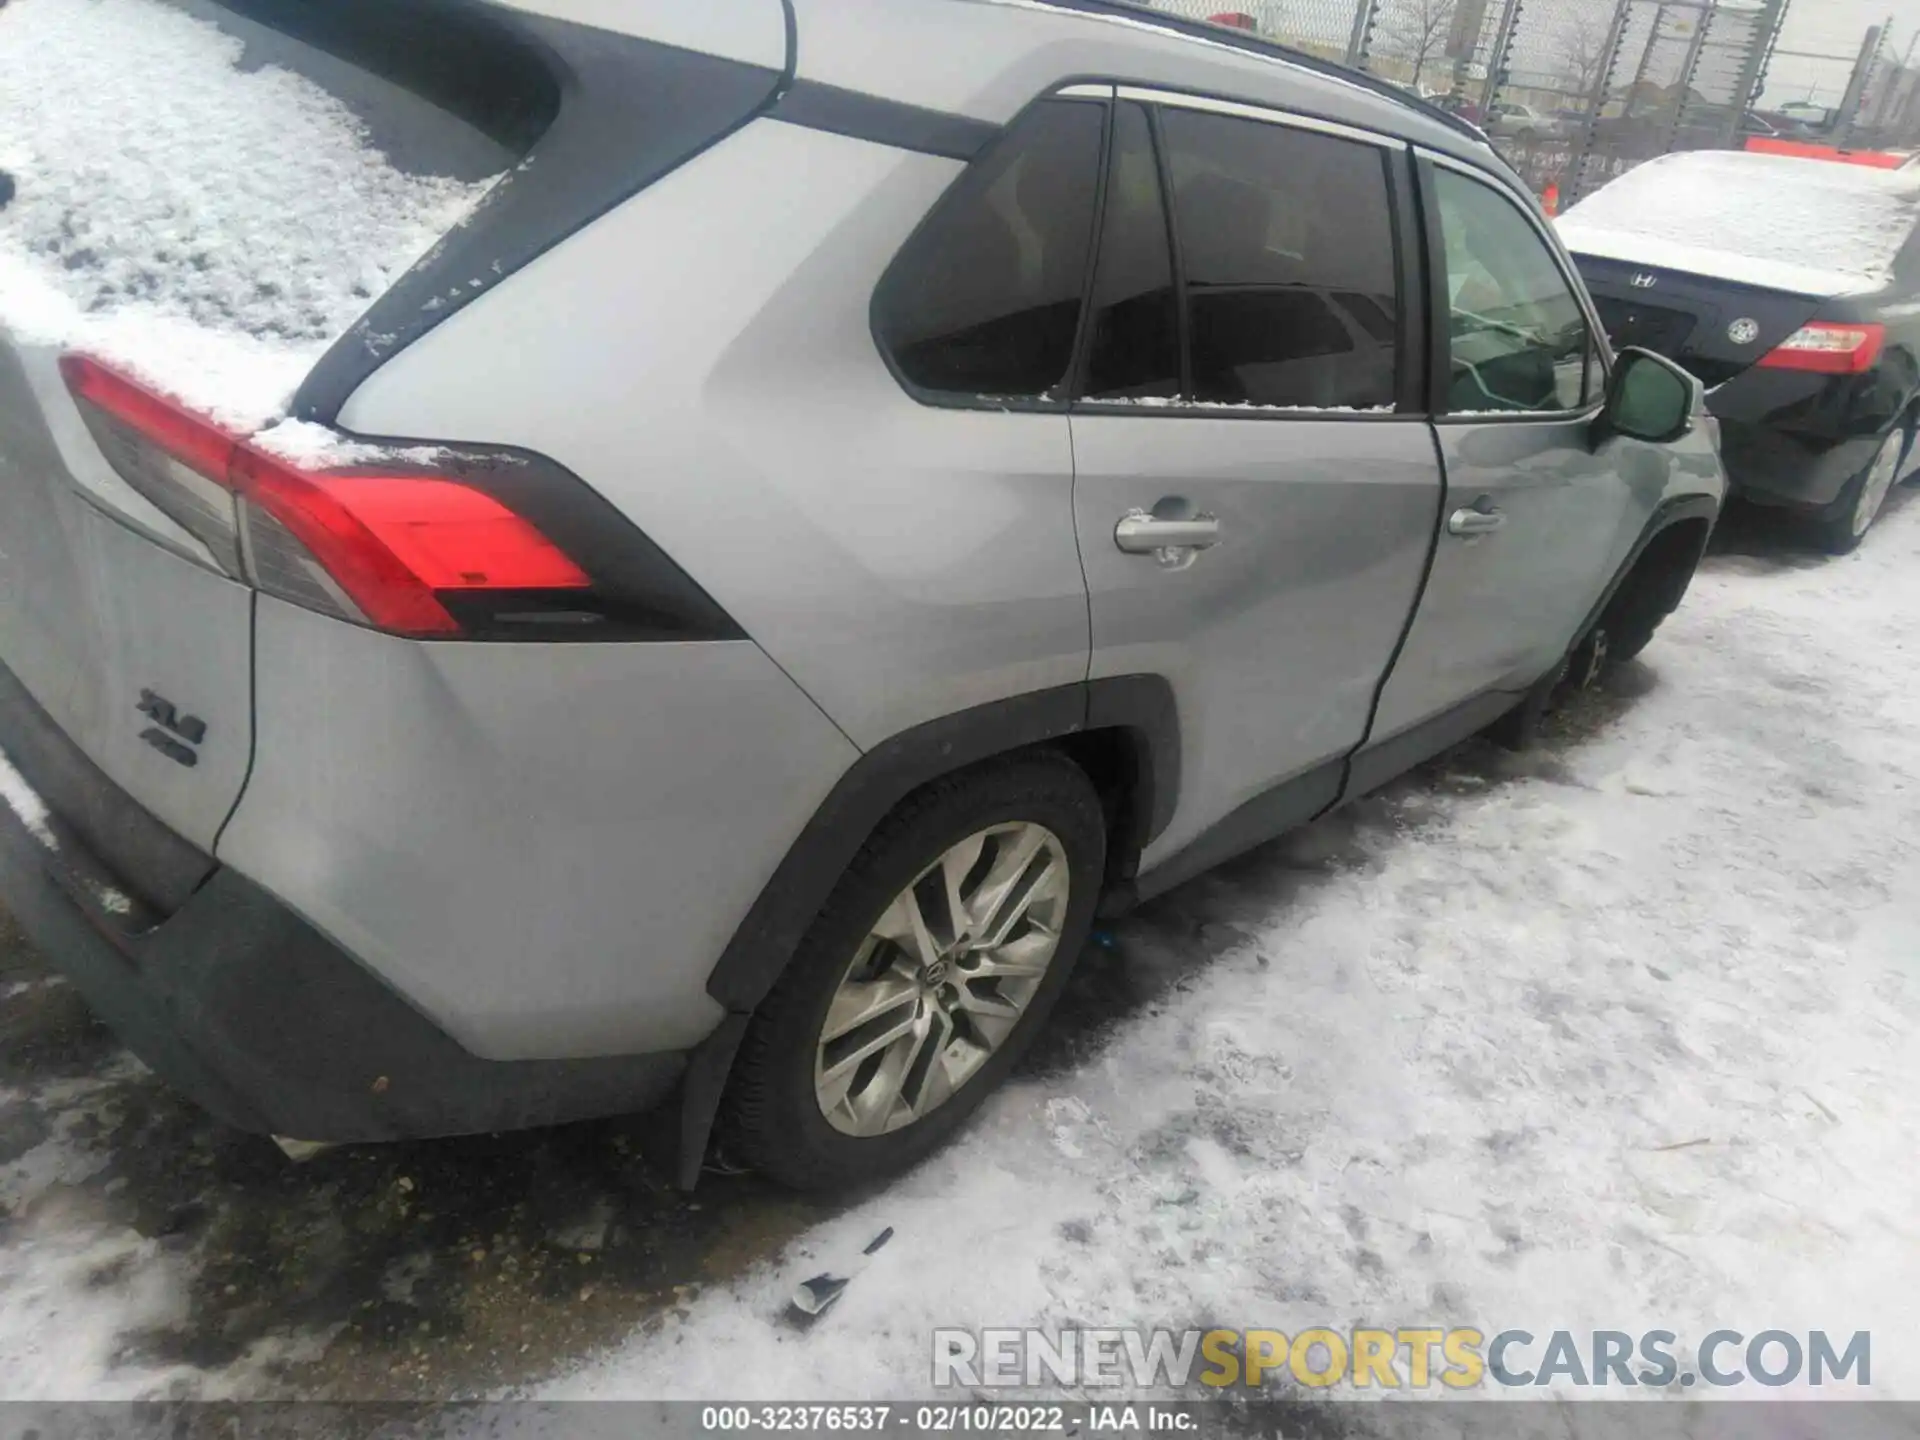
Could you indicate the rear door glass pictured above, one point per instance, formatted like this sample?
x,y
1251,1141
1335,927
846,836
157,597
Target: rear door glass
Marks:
x,y
1286,245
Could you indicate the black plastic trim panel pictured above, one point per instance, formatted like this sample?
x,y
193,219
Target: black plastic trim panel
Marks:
x,y
886,774
1374,765
639,592
819,106
1273,812
1669,514
264,1022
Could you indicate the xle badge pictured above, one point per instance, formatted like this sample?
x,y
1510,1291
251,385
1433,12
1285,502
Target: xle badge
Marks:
x,y
170,728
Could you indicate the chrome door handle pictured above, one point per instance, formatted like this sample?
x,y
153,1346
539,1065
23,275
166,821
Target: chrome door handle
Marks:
x,y
1475,521
1139,533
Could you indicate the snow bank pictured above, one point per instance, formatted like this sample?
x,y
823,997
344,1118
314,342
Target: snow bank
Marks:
x,y
211,229
1809,227
26,804
1615,1034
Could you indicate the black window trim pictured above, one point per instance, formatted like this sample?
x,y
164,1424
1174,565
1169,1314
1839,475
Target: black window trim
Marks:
x,y
1077,363
1182,302
1439,310
1410,385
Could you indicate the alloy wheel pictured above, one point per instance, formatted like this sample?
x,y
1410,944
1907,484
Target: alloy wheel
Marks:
x,y
942,978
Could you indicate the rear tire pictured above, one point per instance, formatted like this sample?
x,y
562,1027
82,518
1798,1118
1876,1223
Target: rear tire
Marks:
x,y
1865,495
820,1096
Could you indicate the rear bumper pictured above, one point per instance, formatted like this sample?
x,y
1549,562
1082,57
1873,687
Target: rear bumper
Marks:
x,y
1795,440
1778,467
239,1003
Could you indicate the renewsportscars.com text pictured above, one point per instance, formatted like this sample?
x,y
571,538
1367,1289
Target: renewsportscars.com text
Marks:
x,y
1409,1358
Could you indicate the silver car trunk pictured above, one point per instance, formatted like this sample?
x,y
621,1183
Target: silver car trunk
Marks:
x,y
139,653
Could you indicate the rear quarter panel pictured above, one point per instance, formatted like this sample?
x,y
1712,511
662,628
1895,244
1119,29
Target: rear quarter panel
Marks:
x,y
544,847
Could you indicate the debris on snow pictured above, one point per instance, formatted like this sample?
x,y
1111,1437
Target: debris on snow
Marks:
x,y
813,1298
1444,1097
26,804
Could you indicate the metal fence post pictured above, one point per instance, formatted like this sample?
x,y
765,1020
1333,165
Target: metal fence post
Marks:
x,y
1690,68
1498,57
1753,75
1602,88
1365,13
1857,86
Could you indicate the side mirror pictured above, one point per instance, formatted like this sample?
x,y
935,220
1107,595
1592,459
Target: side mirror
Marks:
x,y
1650,398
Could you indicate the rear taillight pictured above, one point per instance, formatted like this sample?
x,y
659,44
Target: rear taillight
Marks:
x,y
400,551
1826,349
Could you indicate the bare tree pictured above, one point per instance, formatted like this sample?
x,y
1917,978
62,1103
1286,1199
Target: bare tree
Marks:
x,y
1417,31
1585,39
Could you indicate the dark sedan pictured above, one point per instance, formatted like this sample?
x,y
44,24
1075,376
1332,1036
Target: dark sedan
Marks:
x,y
1792,289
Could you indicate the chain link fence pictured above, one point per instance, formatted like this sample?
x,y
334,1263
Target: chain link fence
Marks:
x,y
1572,92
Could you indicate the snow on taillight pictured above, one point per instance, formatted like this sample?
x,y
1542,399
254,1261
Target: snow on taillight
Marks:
x,y
1829,349
379,548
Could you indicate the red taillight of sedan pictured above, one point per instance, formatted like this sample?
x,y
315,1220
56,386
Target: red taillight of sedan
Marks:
x,y
1826,349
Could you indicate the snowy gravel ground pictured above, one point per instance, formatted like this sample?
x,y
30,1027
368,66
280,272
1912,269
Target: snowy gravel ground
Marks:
x,y
1614,1034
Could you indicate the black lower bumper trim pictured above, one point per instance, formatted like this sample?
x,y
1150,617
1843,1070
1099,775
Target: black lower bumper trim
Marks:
x,y
256,1016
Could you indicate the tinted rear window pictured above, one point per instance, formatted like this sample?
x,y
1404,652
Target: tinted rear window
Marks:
x,y
1286,237
985,298
442,87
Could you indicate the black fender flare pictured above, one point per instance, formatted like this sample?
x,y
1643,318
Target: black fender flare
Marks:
x,y
1140,707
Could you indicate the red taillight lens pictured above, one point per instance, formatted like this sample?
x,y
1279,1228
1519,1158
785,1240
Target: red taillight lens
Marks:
x,y
195,442
382,548
1827,349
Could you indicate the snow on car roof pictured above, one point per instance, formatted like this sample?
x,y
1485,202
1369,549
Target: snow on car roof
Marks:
x,y
211,228
1806,226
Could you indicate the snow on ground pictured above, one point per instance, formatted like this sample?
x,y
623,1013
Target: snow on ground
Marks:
x,y
1617,1034
212,228
1809,227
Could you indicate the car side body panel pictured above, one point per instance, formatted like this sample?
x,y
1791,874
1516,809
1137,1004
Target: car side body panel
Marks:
x,y
899,561
543,847
1275,641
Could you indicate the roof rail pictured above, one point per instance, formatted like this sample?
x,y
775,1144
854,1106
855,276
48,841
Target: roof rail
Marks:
x,y
1139,11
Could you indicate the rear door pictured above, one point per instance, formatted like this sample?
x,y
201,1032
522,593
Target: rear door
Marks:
x,y
1256,489
1535,520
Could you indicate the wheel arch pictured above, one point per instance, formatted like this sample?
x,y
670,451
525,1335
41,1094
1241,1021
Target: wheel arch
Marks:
x,y
1669,549
1124,732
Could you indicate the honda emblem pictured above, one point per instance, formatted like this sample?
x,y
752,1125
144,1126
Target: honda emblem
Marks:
x,y
1645,280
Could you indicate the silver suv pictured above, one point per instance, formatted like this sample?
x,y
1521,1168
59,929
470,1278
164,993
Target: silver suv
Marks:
x,y
878,483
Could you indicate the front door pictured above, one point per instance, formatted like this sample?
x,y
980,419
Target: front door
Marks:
x,y
1255,493
1536,520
